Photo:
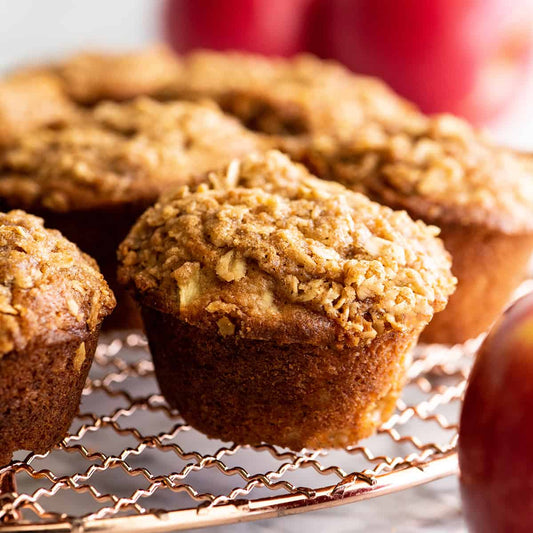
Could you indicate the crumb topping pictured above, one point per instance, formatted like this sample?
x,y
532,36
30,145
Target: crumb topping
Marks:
x,y
444,172
266,237
120,153
48,287
91,77
288,96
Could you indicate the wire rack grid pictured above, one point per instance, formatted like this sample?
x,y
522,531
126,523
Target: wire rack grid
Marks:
x,y
130,463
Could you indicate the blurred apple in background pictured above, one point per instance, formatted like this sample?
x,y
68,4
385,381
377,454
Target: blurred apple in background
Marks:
x,y
271,27
496,431
467,57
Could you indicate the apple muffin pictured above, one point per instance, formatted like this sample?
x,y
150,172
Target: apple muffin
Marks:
x,y
53,94
91,179
447,174
29,100
90,77
280,307
52,302
302,95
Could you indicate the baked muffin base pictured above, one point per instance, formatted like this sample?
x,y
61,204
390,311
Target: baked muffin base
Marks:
x,y
98,232
40,391
291,395
489,266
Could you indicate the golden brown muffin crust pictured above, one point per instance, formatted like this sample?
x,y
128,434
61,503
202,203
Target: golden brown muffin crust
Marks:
x,y
288,96
91,76
295,395
302,257
48,287
120,153
444,172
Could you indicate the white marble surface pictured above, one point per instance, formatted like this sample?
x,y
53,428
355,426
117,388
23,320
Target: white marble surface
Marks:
x,y
31,30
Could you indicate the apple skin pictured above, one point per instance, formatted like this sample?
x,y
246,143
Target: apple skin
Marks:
x,y
496,429
468,57
270,27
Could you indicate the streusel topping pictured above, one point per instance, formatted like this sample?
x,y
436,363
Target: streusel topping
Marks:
x,y
48,287
266,237
120,153
444,172
288,96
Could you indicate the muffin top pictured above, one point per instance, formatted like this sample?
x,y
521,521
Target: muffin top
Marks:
x,y
49,289
267,251
444,172
120,153
29,100
291,96
91,77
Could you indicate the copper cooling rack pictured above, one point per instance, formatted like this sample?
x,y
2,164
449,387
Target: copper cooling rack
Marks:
x,y
130,463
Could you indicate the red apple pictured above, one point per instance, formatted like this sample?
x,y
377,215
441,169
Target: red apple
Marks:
x,y
496,431
271,27
462,56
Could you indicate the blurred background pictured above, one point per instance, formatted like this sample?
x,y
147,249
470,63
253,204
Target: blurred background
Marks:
x,y
469,57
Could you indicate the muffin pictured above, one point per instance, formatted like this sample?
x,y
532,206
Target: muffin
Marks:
x,y
31,100
91,77
302,95
91,179
447,174
52,302
280,307
51,95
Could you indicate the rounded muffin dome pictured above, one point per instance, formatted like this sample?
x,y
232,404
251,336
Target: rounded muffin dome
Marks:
x,y
267,249
49,289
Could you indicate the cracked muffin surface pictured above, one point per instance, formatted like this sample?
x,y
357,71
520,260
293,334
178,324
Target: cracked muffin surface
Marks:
x,y
269,248
120,153
49,289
